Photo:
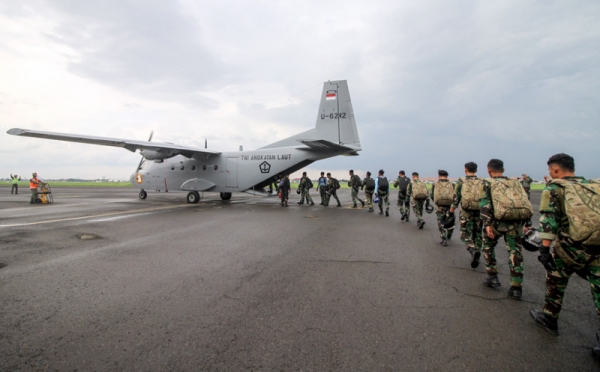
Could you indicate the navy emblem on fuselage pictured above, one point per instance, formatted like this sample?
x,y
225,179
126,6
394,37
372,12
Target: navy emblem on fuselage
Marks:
x,y
265,167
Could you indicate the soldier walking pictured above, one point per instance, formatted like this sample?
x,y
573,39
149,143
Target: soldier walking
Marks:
x,y
382,186
403,202
368,185
505,211
305,186
355,183
526,183
332,185
442,194
284,187
417,192
322,187
573,226
467,194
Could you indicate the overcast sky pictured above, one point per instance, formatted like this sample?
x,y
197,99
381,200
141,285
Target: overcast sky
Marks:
x,y
434,84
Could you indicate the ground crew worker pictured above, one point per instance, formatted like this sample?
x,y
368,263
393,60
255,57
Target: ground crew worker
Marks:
x,y
332,190
505,211
274,181
417,193
382,186
403,202
443,201
15,184
322,187
34,182
355,183
467,193
368,185
526,182
305,185
571,253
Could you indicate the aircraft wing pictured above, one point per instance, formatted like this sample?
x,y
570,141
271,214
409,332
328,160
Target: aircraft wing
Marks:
x,y
131,145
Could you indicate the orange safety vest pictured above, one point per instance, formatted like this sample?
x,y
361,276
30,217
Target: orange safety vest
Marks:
x,y
33,185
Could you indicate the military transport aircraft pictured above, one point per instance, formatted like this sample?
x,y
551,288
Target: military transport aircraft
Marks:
x,y
166,166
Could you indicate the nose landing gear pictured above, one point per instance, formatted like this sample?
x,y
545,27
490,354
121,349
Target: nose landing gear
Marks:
x,y
142,194
225,195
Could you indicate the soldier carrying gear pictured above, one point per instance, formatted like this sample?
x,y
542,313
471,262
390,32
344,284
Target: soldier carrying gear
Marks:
x,y
284,187
505,211
403,202
442,194
355,183
569,217
332,186
526,183
368,184
418,194
304,188
467,193
322,187
382,186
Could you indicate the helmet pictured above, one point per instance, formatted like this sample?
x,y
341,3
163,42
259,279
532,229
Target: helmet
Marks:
x,y
532,241
448,220
428,207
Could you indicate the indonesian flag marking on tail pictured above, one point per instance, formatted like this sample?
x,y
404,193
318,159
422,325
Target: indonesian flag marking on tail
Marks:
x,y
329,96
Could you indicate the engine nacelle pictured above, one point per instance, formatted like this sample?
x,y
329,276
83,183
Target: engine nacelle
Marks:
x,y
155,155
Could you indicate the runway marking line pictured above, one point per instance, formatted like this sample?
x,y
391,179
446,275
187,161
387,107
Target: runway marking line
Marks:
x,y
100,215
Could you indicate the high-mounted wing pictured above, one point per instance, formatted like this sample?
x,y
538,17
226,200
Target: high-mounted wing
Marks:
x,y
150,150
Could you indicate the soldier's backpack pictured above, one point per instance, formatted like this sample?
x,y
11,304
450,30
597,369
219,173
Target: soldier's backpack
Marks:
x,y
369,184
336,183
383,185
509,200
309,183
356,183
582,207
470,193
443,193
419,190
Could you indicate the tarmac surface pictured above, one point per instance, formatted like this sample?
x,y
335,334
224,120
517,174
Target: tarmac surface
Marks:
x,y
101,280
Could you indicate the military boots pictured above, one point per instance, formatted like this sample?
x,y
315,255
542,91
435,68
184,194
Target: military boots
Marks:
x,y
549,323
492,281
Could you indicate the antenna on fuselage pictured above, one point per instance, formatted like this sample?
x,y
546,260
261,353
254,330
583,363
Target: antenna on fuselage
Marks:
x,y
206,143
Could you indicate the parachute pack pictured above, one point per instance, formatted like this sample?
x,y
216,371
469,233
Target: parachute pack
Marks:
x,y
369,184
443,193
336,183
309,183
470,193
419,190
509,200
582,207
356,182
383,184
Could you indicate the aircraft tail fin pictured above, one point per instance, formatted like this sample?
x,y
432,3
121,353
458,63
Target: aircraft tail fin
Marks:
x,y
335,120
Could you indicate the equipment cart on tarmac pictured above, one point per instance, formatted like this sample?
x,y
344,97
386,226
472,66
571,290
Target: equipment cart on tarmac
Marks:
x,y
45,194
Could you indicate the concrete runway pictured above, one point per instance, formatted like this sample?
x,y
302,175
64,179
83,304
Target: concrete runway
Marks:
x,y
248,285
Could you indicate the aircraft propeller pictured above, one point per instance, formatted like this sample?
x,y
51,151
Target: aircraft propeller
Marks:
x,y
143,159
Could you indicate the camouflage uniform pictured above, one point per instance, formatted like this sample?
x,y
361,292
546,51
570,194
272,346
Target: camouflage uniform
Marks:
x,y
526,182
470,221
368,193
416,204
354,183
569,256
304,190
331,191
384,198
513,237
403,201
441,210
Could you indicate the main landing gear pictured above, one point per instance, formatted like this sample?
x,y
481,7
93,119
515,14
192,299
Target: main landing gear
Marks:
x,y
225,195
193,197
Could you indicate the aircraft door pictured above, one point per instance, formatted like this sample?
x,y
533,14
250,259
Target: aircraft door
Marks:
x,y
232,172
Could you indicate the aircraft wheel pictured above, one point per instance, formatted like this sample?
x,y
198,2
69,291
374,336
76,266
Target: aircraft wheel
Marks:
x,y
143,194
193,197
225,196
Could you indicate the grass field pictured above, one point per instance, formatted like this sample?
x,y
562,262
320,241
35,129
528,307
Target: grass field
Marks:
x,y
72,184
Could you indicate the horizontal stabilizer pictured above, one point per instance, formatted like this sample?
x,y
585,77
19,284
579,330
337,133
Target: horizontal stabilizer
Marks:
x,y
323,145
197,184
165,148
